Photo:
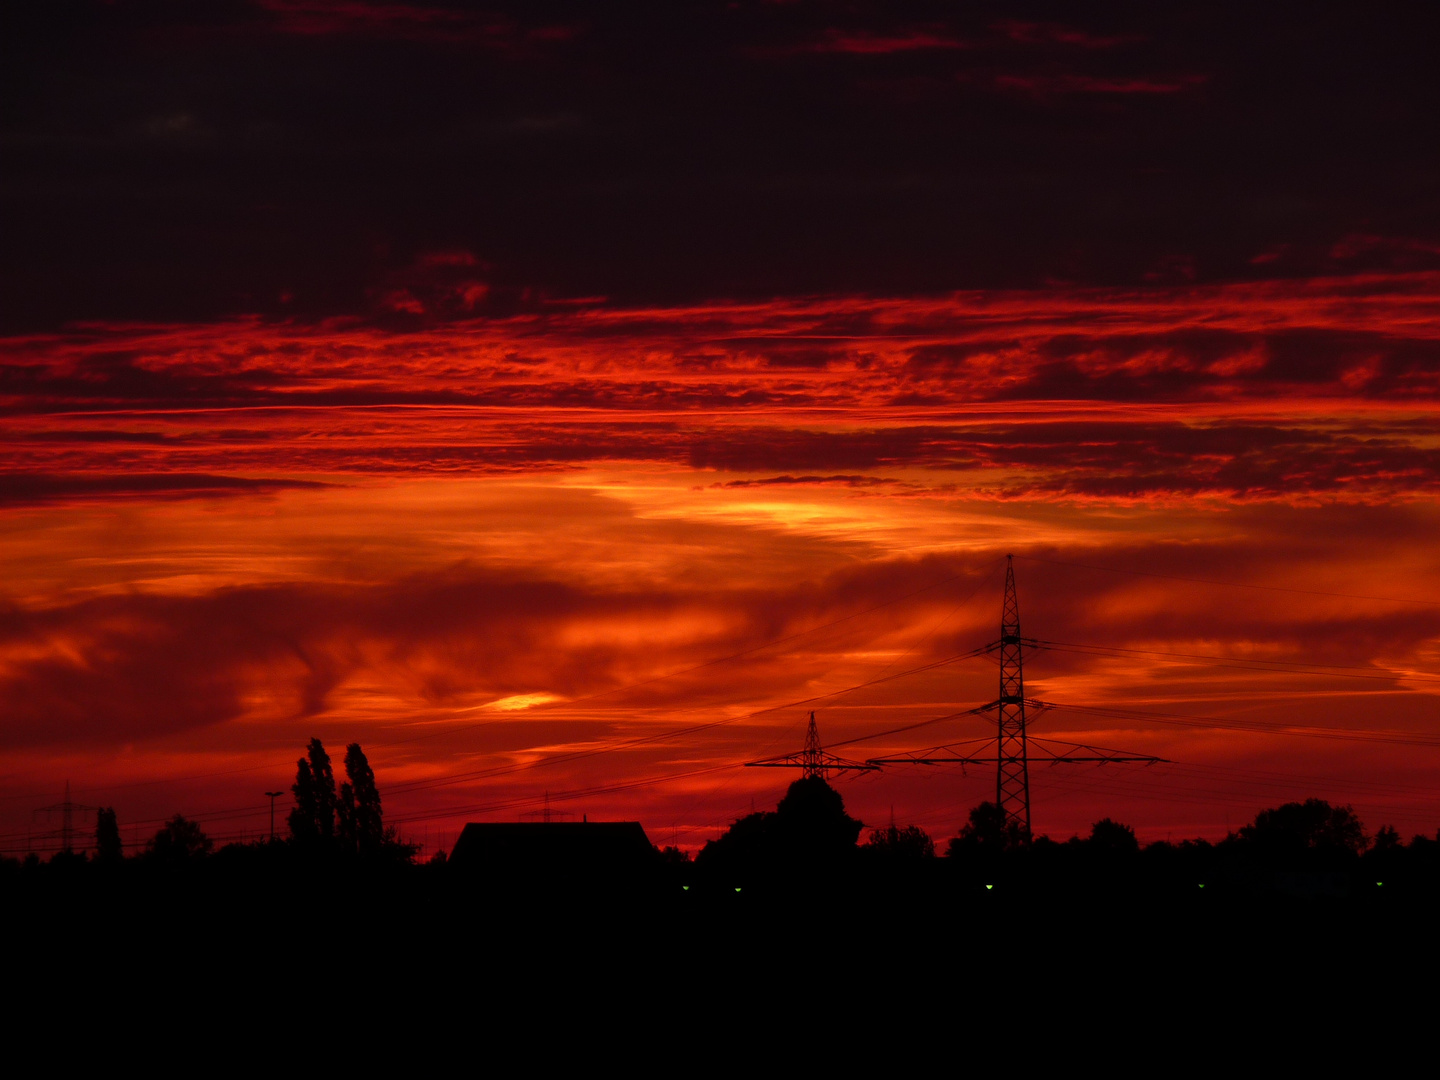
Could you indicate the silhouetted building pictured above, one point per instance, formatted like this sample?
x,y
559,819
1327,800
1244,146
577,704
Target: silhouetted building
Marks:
x,y
515,855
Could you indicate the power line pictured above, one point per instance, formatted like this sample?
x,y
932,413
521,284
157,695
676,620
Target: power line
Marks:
x,y
1232,584
1338,671
557,759
1185,720
708,663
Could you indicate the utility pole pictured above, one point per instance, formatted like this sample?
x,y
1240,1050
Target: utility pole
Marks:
x,y
273,796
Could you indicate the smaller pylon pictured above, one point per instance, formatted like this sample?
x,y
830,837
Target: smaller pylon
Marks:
x,y
67,811
812,757
546,815
813,760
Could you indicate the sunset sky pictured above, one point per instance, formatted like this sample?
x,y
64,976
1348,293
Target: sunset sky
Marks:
x,y
567,399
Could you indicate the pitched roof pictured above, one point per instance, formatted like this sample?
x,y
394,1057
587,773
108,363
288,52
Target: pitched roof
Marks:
x,y
553,848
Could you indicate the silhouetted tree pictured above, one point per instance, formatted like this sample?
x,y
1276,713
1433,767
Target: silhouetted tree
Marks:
x,y
361,824
1387,839
312,821
107,836
1313,825
808,829
811,817
345,819
986,830
180,840
749,842
900,842
1107,835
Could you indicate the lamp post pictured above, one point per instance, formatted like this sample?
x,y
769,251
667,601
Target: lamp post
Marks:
x,y
273,796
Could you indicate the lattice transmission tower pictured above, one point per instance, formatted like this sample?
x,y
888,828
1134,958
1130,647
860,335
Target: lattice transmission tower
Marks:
x,y
1012,743
1012,771
68,811
813,760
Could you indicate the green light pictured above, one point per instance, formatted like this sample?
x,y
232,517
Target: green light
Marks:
x,y
685,887
737,888
1202,885
1379,883
989,886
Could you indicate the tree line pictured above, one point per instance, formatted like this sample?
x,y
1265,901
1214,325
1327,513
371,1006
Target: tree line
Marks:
x,y
1310,846
809,832
324,821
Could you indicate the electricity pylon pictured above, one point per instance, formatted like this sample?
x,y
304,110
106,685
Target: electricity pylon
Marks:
x,y
813,760
67,811
1012,742
1012,771
547,815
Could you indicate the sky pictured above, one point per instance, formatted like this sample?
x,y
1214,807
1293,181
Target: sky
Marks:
x,y
563,401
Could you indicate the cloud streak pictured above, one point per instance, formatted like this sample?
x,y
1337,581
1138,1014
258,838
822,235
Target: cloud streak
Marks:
x,y
1273,391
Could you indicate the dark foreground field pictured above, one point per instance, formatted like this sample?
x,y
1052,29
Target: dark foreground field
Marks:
x,y
389,957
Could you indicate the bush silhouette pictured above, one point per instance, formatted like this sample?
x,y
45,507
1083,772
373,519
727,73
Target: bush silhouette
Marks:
x,y
986,831
180,840
909,842
1313,825
1111,836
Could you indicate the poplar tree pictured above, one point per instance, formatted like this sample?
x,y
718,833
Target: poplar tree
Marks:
x,y
107,836
312,821
361,803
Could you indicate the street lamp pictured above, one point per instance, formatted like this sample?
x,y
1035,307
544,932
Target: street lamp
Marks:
x,y
273,796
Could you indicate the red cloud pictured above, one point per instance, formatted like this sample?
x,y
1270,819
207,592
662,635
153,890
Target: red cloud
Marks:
x,y
1043,86
865,43
358,18
1264,391
1033,33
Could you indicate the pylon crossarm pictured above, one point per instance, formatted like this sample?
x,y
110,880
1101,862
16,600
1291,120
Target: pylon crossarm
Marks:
x,y
801,761
1080,753
1112,759
60,808
951,754
813,760
935,761
1024,642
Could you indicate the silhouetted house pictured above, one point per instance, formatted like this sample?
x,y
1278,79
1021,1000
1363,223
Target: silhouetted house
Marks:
x,y
516,855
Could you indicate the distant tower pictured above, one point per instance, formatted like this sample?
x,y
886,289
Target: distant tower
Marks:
x,y
546,815
813,760
67,811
